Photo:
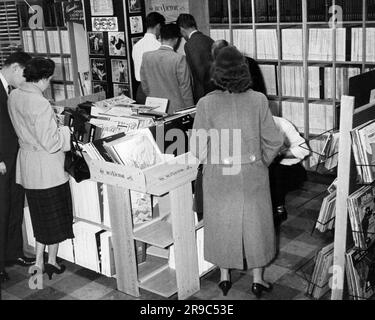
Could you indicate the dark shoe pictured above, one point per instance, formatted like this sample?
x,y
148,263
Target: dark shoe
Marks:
x,y
258,289
4,276
281,213
225,287
22,261
51,269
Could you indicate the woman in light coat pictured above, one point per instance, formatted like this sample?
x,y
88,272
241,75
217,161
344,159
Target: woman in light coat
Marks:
x,y
40,163
242,142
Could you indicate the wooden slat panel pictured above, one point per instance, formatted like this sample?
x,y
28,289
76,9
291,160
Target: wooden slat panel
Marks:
x,y
185,247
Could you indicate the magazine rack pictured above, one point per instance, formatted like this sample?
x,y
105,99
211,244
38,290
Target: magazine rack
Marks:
x,y
305,272
346,184
173,177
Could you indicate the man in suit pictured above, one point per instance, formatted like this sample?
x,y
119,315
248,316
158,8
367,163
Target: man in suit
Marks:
x,y
198,55
149,42
11,194
166,74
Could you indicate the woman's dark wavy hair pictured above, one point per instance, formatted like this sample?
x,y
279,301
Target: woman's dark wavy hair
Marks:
x,y
39,68
230,71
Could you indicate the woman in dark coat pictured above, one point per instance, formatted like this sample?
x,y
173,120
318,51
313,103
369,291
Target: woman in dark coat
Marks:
x,y
237,205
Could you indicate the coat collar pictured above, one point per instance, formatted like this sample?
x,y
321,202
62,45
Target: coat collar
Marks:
x,y
31,88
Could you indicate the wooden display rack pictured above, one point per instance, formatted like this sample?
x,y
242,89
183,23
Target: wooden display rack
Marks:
x,y
173,177
346,185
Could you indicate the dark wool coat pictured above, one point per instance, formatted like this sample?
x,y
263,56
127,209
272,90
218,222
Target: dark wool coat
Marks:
x,y
237,207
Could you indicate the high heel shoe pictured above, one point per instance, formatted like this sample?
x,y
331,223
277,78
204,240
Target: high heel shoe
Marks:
x,y
258,289
225,286
50,269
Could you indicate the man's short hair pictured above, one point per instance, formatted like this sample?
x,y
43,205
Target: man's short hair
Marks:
x,y
22,58
153,19
186,21
170,31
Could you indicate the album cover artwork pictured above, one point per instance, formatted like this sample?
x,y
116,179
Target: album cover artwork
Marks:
x,y
98,69
120,71
116,43
136,25
119,89
96,42
134,6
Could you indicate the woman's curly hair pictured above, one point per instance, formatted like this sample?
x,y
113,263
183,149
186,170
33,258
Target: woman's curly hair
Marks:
x,y
230,71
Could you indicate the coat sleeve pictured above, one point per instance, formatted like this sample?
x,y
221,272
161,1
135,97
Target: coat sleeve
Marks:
x,y
184,81
199,139
193,59
143,74
271,138
51,138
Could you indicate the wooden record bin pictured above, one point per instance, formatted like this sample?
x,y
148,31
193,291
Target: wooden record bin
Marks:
x,y
173,177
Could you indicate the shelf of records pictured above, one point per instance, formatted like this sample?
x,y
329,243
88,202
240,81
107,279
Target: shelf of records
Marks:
x,y
92,246
360,273
290,11
363,150
361,208
320,49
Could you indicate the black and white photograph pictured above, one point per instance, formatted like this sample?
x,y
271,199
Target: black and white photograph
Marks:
x,y
116,44
207,154
120,71
134,6
96,43
98,69
136,24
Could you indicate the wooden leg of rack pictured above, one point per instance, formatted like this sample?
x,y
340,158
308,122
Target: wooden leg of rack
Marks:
x,y
123,241
183,226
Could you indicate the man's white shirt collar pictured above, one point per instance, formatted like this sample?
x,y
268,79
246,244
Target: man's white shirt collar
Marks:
x,y
167,46
192,33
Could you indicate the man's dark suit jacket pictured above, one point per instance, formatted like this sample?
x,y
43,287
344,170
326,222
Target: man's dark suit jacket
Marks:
x,y
198,55
8,137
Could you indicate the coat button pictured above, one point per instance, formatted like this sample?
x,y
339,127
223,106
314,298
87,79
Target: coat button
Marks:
x,y
252,158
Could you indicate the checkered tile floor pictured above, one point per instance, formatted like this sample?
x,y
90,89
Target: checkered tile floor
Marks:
x,y
296,246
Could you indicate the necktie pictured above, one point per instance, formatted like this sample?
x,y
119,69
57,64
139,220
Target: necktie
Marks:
x,y
9,89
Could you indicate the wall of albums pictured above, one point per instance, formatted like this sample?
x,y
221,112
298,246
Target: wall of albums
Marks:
x,y
305,69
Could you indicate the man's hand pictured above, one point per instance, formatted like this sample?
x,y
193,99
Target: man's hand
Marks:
x,y
3,168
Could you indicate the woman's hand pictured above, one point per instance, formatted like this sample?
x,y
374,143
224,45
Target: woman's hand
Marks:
x,y
3,168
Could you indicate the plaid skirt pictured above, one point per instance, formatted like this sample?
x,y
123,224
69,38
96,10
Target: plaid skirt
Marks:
x,y
51,214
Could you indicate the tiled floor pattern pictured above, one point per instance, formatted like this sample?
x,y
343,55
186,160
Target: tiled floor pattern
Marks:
x,y
295,241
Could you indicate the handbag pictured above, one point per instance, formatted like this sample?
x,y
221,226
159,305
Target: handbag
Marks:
x,y
75,164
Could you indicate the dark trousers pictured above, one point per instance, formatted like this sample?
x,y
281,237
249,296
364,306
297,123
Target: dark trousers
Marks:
x,y
140,97
12,197
198,193
284,179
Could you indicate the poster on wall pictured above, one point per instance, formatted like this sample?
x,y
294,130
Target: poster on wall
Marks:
x,y
73,12
101,7
119,89
120,71
136,25
98,69
135,6
170,9
104,24
96,43
116,43
100,87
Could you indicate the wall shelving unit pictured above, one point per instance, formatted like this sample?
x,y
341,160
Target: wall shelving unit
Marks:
x,y
299,78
